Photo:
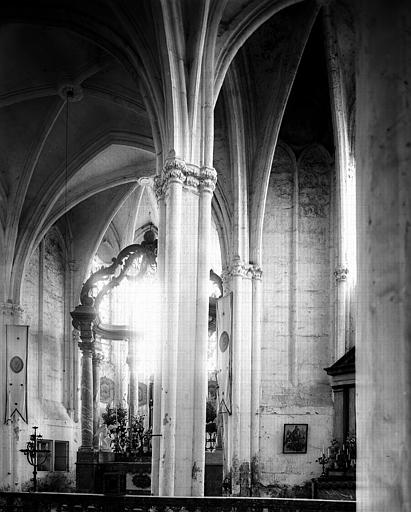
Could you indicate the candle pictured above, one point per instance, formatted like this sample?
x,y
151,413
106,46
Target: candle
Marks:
x,y
323,450
328,452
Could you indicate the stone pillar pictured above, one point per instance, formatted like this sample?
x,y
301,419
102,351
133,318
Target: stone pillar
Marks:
x,y
83,318
173,188
86,396
343,207
239,423
383,352
255,372
132,361
200,367
157,386
97,360
187,198
340,314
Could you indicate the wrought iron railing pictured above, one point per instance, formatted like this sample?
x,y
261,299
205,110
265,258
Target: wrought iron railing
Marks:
x,y
59,502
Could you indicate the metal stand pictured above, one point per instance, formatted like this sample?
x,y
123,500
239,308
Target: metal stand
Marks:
x,y
35,457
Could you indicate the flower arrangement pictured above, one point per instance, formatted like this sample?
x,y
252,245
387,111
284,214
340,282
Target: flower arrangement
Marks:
x,y
128,436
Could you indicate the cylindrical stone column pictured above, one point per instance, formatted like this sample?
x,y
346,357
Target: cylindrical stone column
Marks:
x,y
97,359
157,385
383,350
86,396
209,177
132,361
240,421
255,373
173,188
83,318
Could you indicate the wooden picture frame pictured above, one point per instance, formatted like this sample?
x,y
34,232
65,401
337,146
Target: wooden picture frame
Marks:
x,y
295,438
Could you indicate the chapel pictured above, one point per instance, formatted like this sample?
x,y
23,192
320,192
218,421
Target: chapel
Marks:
x,y
205,211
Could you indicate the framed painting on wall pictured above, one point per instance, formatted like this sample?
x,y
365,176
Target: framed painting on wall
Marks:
x,y
295,438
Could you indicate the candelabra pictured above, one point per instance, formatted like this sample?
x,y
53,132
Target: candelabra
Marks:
x,y
323,460
35,456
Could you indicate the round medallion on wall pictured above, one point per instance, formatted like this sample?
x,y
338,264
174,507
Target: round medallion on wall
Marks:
x,y
224,341
16,364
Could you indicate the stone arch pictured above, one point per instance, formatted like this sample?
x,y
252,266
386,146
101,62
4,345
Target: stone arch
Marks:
x,y
42,220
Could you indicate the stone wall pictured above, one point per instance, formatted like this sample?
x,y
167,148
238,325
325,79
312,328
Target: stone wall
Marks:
x,y
296,317
44,311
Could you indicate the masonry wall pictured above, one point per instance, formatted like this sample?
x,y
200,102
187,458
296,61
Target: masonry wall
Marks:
x,y
44,310
296,317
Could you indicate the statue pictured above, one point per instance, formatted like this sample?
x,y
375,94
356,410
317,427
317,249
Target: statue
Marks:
x,y
104,442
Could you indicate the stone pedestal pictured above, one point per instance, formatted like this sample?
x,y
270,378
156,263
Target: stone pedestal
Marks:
x,y
86,467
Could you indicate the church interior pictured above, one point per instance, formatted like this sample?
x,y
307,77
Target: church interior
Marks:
x,y
205,250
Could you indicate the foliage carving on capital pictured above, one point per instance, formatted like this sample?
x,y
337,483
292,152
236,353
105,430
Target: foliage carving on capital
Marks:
x,y
175,169
256,272
226,278
98,358
208,178
192,177
239,268
340,273
12,309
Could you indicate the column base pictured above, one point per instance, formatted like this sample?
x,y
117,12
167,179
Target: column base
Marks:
x,y
86,468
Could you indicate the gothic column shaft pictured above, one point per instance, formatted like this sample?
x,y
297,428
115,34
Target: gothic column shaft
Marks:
x,y
133,377
186,468
86,399
383,353
83,318
157,386
170,343
200,369
342,162
96,362
256,370
241,384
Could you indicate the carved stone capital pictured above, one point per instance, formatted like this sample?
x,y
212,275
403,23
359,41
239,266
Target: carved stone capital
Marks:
x,y
208,178
83,320
98,358
11,309
175,170
240,269
256,272
189,175
226,278
340,273
76,336
192,177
